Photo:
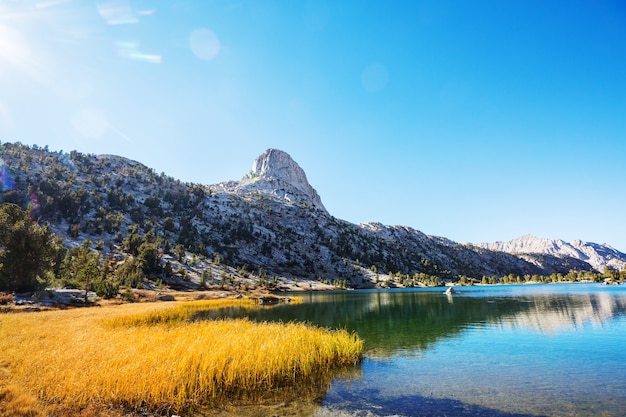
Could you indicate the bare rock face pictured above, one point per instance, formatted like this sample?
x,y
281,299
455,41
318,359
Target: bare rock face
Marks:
x,y
275,173
596,255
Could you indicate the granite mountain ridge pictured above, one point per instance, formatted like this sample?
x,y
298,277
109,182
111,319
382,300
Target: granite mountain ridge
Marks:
x,y
597,255
271,220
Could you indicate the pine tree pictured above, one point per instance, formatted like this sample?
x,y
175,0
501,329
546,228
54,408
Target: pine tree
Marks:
x,y
25,250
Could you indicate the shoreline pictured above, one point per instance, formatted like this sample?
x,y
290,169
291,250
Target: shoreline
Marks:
x,y
47,300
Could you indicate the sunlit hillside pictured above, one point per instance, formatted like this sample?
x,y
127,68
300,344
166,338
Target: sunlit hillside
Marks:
x,y
266,230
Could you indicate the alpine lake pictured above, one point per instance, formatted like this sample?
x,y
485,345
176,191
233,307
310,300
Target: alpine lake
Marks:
x,y
509,350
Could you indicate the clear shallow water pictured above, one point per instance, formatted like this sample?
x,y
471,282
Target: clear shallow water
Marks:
x,y
553,350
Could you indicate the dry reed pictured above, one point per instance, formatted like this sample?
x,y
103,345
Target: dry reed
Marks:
x,y
151,356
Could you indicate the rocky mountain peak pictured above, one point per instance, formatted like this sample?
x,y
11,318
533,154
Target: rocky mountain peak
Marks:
x,y
596,255
276,173
274,163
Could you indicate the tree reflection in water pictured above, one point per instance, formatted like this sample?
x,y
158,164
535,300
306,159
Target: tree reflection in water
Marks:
x,y
489,351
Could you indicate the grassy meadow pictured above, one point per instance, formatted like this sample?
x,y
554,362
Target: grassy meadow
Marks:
x,y
151,356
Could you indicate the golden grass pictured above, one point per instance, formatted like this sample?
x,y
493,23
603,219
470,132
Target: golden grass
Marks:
x,y
151,356
14,403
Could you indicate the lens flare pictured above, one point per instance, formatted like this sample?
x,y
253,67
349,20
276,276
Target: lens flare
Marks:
x,y
33,203
15,50
50,3
146,12
204,44
117,12
6,177
130,50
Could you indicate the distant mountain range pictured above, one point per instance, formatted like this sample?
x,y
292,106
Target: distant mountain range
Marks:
x,y
272,219
596,255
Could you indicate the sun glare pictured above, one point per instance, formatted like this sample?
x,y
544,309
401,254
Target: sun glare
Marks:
x,y
14,50
18,52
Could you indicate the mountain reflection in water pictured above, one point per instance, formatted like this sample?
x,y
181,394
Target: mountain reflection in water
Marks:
x,y
512,350
569,312
410,321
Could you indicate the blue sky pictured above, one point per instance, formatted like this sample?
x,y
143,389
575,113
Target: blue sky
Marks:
x,y
474,120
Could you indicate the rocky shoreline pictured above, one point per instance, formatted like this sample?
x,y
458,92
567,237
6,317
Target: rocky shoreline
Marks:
x,y
63,298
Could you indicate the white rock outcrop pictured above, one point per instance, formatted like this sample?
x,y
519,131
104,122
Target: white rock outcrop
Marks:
x,y
275,173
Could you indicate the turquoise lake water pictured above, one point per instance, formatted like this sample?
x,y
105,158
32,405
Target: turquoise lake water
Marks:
x,y
517,350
